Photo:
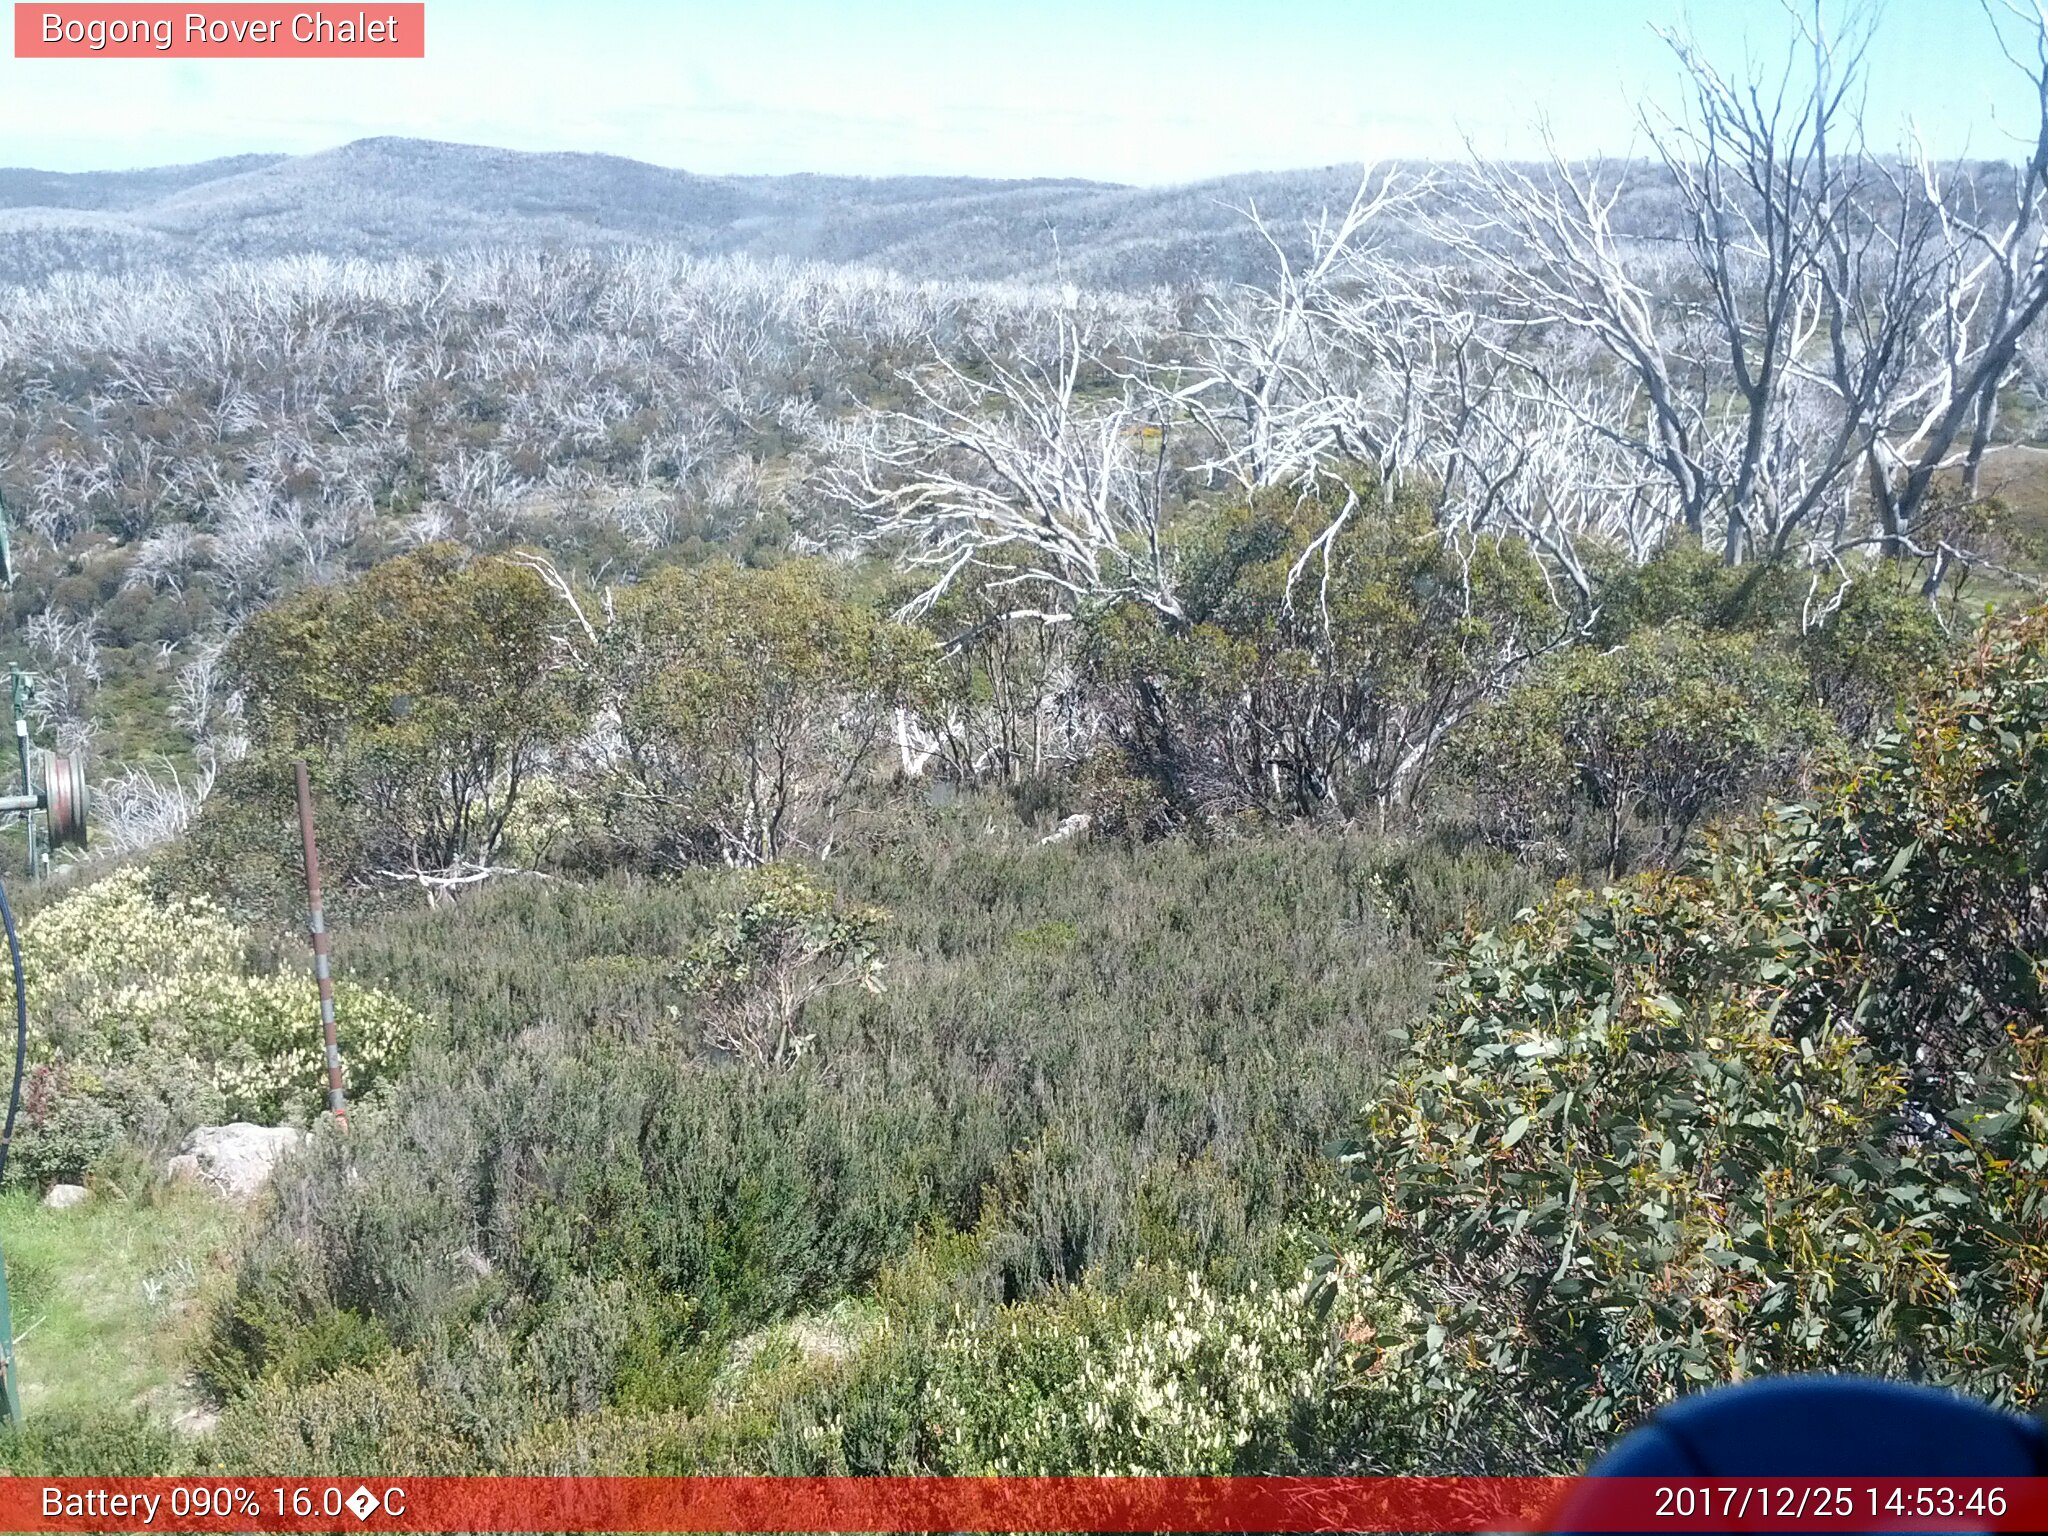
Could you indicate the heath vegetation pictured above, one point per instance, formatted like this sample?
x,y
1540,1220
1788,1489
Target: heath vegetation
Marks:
x,y
1378,869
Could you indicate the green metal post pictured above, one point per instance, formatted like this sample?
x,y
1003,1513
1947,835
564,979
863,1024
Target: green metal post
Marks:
x,y
28,818
9,1376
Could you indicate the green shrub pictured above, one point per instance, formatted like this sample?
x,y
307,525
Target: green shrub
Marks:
x,y
1869,656
271,1328
994,705
1314,676
1199,1384
408,1415
760,967
427,692
382,1419
1867,640
1123,804
1046,938
243,851
1686,582
1780,1111
1669,726
62,1132
1168,1374
93,1446
748,1202
750,706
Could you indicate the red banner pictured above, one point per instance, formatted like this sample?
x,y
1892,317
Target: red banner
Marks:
x,y
236,31
1025,1504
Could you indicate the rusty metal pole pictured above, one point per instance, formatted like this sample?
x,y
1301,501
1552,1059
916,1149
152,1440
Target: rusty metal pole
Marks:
x,y
322,972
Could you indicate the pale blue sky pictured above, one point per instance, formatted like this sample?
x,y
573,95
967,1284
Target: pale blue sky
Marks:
x,y
1137,90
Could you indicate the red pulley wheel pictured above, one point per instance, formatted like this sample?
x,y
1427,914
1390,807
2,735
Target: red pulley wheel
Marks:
x,y
64,797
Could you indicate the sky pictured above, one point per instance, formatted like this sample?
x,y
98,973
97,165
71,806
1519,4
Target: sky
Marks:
x,y
1144,91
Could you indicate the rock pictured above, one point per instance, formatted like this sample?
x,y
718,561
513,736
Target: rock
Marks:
x,y
1068,830
195,1421
62,1197
235,1159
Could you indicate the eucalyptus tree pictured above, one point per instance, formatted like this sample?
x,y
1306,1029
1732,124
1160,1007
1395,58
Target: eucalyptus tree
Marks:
x,y
1822,318
1054,479
1288,376
1992,264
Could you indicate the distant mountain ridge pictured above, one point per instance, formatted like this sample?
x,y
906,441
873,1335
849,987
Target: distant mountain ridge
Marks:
x,y
117,189
392,196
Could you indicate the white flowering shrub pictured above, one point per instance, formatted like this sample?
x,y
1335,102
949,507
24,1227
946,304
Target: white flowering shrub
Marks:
x,y
1200,1383
131,997
114,932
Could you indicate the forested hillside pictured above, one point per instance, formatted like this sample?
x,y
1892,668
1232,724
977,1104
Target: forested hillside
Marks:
x,y
1372,848
380,198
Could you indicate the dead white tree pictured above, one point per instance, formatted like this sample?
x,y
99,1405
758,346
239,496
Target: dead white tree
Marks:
x,y
1319,364
1823,331
1510,458
1992,261
1764,348
1054,480
148,805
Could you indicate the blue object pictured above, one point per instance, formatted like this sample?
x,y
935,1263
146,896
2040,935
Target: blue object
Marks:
x,y
1826,1426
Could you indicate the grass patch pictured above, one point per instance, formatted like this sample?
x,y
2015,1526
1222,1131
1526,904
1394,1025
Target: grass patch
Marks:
x,y
104,1297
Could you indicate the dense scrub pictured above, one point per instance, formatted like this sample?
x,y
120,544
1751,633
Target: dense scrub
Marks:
x,y
465,714
940,1149
1083,1064
1779,1110
1048,1200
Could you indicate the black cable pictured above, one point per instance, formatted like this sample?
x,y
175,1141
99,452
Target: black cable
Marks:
x,y
20,1029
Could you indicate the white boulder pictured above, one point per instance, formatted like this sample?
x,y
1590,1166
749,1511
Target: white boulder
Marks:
x,y
235,1159
1068,830
61,1197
